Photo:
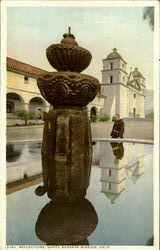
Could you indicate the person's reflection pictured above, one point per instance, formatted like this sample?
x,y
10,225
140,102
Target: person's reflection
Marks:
x,y
13,152
68,224
118,150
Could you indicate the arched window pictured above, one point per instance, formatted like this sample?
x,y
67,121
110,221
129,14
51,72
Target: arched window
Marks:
x,y
123,65
111,65
111,79
134,95
93,114
134,112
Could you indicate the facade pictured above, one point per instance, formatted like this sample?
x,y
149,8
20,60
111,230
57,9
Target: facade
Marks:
x,y
23,92
125,94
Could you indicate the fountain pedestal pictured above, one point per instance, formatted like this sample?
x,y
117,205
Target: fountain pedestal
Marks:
x,y
67,144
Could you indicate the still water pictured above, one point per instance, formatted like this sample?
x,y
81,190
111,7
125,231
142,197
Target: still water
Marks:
x,y
120,191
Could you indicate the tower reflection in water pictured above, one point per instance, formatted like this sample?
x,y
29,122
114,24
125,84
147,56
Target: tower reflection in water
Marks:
x,y
116,164
69,224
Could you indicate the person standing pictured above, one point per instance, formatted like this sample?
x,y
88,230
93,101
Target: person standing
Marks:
x,y
118,127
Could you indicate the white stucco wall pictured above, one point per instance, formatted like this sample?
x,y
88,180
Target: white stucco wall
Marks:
x,y
110,102
27,91
123,101
116,188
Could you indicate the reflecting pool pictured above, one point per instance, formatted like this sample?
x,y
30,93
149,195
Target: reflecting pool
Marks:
x,y
117,210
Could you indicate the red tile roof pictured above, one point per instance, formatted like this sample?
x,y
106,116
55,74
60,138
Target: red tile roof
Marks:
x,y
23,67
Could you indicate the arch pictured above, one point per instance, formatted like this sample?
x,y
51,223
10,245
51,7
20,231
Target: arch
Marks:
x,y
14,102
36,103
93,111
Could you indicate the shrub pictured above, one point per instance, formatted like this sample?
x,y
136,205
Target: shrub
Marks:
x,y
94,118
104,118
113,119
150,115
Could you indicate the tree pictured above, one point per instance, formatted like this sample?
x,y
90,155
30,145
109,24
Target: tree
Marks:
x,y
25,115
149,14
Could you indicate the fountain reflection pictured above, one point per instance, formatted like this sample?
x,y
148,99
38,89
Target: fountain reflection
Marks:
x,y
67,224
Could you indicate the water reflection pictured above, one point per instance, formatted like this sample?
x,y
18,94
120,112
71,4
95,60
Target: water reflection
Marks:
x,y
135,170
118,150
68,224
116,164
34,147
13,152
112,170
21,162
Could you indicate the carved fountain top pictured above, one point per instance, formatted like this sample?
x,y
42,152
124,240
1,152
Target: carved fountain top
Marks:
x,y
67,55
67,87
69,38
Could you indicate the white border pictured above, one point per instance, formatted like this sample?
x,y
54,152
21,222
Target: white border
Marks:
x,y
4,5
3,129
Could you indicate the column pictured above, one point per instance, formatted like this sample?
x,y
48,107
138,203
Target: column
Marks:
x,y
89,112
25,106
47,108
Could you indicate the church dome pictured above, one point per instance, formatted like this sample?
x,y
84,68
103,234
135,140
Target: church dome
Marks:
x,y
136,73
112,197
114,55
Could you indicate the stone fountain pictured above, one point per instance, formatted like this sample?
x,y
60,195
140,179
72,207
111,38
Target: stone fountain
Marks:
x,y
67,143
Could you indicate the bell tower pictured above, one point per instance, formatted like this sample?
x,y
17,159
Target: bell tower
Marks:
x,y
114,76
114,69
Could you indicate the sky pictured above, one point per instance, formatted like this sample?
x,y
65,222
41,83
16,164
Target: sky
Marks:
x,y
30,30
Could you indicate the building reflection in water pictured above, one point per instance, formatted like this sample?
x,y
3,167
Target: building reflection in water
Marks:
x,y
112,170
35,147
13,152
23,161
116,164
68,224
135,168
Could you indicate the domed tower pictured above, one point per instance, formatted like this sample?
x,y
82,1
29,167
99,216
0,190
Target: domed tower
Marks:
x,y
140,79
114,69
136,96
